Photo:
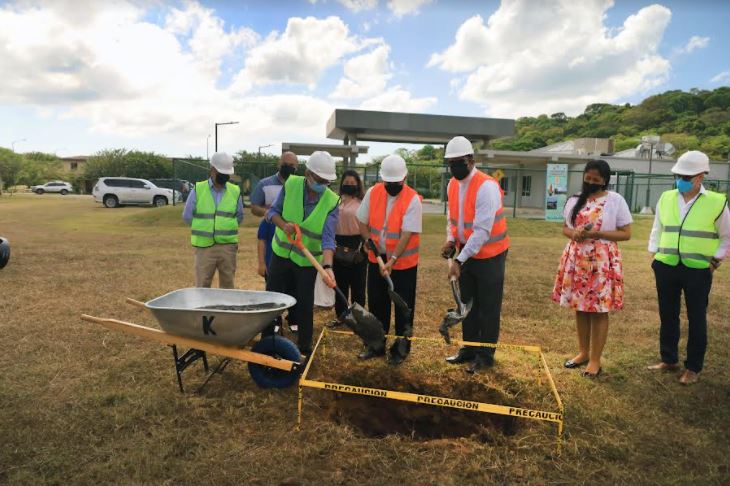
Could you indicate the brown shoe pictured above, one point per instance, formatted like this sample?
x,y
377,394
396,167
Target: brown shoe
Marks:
x,y
663,367
689,377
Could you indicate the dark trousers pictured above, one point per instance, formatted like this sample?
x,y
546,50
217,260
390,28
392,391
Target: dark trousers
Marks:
x,y
289,278
350,279
696,284
482,282
404,282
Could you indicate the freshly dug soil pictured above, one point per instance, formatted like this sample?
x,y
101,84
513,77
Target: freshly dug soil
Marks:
x,y
243,307
378,417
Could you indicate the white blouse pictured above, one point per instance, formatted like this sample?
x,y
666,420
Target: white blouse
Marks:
x,y
616,212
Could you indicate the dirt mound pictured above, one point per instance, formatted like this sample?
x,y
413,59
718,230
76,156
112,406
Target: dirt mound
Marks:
x,y
378,417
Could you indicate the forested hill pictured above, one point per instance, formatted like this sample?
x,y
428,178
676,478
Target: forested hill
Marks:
x,y
694,120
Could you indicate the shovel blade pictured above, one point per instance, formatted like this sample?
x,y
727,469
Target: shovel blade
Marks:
x,y
366,326
398,300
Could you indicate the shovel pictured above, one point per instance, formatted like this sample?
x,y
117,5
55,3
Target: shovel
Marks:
x,y
397,299
454,316
362,322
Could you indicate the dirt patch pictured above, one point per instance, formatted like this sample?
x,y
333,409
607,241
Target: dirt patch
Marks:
x,y
243,307
379,417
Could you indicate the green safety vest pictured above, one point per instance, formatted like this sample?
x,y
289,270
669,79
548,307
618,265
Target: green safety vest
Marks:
x,y
293,212
693,240
214,225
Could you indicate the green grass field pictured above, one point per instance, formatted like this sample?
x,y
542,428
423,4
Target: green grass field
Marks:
x,y
80,404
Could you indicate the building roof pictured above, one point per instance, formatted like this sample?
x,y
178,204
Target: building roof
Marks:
x,y
383,126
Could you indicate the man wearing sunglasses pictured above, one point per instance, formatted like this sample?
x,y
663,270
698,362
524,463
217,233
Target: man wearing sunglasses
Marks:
x,y
477,228
689,239
310,203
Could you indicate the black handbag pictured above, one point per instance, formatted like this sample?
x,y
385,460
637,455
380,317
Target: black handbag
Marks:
x,y
349,257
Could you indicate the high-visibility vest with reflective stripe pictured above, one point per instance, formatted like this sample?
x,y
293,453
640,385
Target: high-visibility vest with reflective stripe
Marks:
x,y
693,240
312,227
213,225
376,222
498,239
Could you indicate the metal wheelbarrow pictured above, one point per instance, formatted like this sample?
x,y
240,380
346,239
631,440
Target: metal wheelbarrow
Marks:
x,y
222,322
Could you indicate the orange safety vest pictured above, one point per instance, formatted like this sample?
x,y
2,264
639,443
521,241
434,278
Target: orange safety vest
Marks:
x,y
376,221
498,239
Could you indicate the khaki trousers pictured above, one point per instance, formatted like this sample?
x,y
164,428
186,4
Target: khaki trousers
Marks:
x,y
220,257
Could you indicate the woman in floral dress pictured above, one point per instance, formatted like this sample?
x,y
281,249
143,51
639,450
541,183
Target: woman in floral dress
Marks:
x,y
590,275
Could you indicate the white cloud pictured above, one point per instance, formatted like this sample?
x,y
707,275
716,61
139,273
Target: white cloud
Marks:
x,y
365,75
104,63
300,54
720,77
695,42
532,58
406,7
358,5
398,99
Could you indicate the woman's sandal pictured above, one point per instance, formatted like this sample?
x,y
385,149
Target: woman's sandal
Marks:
x,y
592,376
570,364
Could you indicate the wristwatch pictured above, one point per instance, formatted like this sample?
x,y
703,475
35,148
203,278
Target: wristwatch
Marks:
x,y
326,266
394,258
715,262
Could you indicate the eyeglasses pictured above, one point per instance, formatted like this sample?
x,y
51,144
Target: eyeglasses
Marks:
x,y
684,177
319,180
457,161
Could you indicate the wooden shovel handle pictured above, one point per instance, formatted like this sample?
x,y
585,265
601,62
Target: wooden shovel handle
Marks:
x,y
136,303
298,243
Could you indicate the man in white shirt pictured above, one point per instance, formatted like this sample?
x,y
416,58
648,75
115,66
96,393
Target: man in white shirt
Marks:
x,y
689,239
477,227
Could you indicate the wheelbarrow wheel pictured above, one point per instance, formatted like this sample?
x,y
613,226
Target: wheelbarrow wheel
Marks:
x,y
277,347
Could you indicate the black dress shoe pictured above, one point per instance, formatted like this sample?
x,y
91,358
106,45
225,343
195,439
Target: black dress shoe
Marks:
x,y
369,354
479,364
461,357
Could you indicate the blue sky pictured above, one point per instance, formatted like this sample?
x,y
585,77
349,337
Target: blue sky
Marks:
x,y
82,76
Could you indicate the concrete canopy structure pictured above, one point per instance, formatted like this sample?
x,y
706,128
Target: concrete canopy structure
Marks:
x,y
352,126
334,149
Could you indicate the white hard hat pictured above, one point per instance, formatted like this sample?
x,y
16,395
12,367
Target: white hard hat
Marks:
x,y
393,169
222,162
692,163
322,164
458,147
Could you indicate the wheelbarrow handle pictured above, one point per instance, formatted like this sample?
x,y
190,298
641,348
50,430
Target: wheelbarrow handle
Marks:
x,y
298,243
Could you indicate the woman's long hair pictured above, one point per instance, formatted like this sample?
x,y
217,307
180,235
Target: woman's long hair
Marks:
x,y
353,173
605,171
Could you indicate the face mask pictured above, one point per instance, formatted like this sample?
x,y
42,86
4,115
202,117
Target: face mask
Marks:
x,y
459,170
591,188
316,186
684,186
393,188
221,179
349,189
286,170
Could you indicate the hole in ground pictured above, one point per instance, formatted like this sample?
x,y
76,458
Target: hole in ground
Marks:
x,y
379,417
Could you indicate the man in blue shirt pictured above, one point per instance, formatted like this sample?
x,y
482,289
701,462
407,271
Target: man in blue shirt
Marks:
x,y
210,257
263,196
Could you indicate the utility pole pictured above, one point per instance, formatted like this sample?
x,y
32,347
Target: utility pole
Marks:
x,y
216,131
651,141
12,145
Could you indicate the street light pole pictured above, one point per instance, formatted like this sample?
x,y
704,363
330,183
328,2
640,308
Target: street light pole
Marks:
x,y
650,140
12,145
264,146
207,143
216,131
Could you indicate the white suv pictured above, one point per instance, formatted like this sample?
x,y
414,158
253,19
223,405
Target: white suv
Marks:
x,y
115,191
54,186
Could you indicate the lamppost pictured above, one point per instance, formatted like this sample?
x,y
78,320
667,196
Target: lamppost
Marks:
x,y
650,141
12,145
207,143
264,146
216,131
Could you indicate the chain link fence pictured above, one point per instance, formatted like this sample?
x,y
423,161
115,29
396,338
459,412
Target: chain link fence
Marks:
x,y
524,188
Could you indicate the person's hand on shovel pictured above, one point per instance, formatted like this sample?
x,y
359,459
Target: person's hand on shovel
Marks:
x,y
387,268
454,270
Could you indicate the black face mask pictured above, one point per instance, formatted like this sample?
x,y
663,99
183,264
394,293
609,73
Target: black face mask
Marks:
x,y
459,170
591,188
393,188
349,189
286,170
221,179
